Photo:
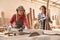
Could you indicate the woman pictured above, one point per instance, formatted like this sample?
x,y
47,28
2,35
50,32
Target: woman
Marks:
x,y
19,18
42,17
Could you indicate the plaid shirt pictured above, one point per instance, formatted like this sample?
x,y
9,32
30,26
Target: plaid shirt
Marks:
x,y
42,20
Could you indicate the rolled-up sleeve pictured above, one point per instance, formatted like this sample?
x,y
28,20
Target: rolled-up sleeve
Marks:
x,y
39,16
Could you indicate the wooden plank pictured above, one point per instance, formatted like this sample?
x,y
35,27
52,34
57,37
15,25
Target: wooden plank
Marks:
x,y
46,22
28,18
31,16
3,18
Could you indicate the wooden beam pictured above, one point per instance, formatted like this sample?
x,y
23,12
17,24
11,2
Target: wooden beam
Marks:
x,y
3,18
33,14
47,7
28,18
46,22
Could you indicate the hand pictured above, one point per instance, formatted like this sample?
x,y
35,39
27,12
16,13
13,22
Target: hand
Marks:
x,y
26,27
41,19
9,28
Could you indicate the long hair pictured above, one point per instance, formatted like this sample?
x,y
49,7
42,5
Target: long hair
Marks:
x,y
44,9
21,7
